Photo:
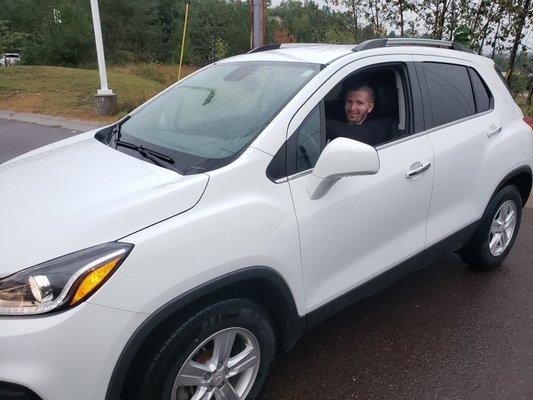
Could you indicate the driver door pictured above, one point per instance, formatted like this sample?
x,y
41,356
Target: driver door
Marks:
x,y
364,225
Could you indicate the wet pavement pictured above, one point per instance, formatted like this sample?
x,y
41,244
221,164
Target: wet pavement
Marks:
x,y
444,333
20,137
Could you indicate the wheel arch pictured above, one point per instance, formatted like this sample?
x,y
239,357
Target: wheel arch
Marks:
x,y
260,284
521,178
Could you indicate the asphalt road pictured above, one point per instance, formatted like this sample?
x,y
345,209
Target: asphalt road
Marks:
x,y
19,137
444,333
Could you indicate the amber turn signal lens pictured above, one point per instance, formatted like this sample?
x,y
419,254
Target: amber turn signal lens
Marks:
x,y
92,280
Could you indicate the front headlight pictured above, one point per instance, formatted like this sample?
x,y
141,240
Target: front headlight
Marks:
x,y
61,282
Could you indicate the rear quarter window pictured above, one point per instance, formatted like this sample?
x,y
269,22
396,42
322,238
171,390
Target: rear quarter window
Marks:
x,y
482,95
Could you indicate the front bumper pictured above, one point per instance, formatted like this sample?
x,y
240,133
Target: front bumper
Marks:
x,y
65,356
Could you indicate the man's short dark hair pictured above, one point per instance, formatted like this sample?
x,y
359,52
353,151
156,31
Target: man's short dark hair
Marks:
x,y
364,87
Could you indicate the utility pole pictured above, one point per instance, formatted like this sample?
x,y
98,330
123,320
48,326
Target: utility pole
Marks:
x,y
183,36
258,13
106,100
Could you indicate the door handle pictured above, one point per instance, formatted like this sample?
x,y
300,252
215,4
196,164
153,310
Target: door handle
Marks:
x,y
494,131
417,168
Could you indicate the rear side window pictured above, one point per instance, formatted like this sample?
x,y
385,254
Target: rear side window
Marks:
x,y
450,92
482,95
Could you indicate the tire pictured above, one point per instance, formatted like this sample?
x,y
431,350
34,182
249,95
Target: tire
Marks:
x,y
187,355
478,252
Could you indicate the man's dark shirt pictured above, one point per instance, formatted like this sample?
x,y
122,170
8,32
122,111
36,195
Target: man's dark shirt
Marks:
x,y
373,131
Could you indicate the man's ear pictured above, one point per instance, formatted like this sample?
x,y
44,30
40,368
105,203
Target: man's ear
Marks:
x,y
370,107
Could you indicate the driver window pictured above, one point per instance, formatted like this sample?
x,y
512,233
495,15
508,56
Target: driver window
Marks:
x,y
368,106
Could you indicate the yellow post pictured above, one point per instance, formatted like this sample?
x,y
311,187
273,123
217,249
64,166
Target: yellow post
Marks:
x,y
183,38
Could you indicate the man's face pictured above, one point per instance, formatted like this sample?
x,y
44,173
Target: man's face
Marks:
x,y
358,105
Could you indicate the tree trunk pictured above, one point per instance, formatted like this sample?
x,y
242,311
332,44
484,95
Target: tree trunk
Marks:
x,y
436,23
475,22
496,38
442,19
354,11
483,32
530,92
453,21
400,4
376,21
520,26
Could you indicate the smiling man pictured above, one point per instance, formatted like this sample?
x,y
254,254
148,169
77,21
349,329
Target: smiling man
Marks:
x,y
359,102
359,123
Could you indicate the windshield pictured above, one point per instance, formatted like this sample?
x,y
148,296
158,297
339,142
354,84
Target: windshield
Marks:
x,y
207,120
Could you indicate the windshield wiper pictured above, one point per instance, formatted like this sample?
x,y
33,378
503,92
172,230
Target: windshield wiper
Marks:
x,y
152,155
116,130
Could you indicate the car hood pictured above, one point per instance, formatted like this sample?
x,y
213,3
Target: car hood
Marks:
x,y
78,193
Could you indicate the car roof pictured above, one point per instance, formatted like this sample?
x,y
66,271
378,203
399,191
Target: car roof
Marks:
x,y
327,53
298,52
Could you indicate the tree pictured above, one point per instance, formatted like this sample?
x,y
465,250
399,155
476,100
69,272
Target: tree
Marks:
x,y
462,35
11,41
395,13
305,22
348,20
213,21
523,11
55,32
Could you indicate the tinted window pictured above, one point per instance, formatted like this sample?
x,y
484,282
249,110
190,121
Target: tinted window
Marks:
x,y
481,93
308,141
450,92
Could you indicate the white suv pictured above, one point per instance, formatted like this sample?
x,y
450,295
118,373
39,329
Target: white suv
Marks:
x,y
172,255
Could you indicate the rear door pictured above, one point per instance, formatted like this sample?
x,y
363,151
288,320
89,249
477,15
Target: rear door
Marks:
x,y
461,118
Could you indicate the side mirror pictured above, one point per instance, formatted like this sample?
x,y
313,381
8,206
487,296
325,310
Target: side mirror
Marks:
x,y
342,157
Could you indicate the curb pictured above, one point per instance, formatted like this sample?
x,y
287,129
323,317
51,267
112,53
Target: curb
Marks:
x,y
77,125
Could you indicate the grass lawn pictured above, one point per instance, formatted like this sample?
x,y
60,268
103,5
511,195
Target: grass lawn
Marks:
x,y
69,92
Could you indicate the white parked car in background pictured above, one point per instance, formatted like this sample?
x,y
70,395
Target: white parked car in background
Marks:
x,y
172,255
9,59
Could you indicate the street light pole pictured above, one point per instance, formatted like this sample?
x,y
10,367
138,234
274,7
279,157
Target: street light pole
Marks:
x,y
106,100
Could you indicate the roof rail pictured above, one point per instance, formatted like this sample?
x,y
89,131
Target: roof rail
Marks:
x,y
284,46
265,48
387,42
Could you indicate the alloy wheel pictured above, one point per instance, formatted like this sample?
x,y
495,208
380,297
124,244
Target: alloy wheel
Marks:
x,y
222,367
502,228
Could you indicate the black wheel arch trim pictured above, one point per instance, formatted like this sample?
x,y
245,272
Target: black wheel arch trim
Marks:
x,y
294,325
511,175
